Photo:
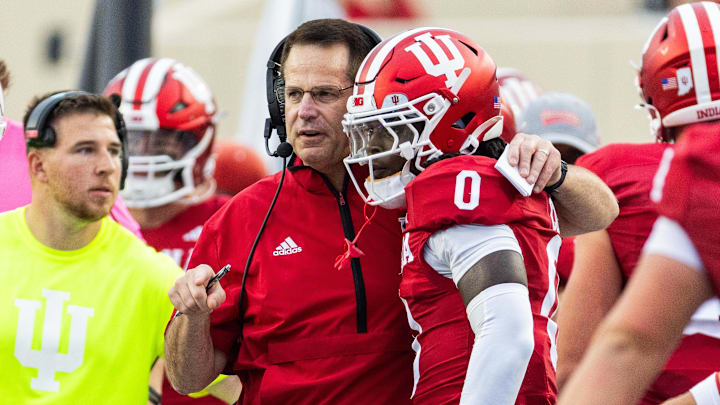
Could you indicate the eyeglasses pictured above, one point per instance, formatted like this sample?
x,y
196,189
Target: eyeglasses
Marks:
x,y
321,94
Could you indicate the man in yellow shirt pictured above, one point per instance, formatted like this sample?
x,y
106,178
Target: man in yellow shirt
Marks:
x,y
85,301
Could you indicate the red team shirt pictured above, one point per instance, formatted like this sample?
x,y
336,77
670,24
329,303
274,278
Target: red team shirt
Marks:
x,y
176,238
435,308
308,337
629,169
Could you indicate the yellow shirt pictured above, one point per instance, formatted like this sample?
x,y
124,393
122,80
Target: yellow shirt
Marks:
x,y
83,326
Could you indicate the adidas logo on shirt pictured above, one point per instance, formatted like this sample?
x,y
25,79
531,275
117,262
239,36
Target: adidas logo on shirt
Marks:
x,y
287,247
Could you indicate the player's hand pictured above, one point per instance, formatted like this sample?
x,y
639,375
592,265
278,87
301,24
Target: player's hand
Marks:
x,y
536,158
188,293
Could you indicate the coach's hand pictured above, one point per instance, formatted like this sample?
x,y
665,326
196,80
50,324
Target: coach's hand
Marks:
x,y
188,293
536,158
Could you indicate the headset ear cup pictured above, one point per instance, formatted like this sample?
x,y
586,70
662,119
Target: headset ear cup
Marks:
x,y
49,137
122,134
279,84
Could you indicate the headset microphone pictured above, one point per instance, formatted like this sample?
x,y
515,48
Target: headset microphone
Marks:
x,y
284,149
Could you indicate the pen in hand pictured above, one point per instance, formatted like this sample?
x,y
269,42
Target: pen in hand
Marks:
x,y
212,281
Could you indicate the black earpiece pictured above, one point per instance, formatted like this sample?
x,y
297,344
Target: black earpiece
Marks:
x,y
39,134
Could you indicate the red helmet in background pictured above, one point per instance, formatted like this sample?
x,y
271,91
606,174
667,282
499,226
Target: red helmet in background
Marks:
x,y
509,128
170,117
516,91
679,79
236,167
432,90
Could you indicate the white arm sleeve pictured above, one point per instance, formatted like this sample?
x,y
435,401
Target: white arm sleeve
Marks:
x,y
502,321
453,251
706,391
669,239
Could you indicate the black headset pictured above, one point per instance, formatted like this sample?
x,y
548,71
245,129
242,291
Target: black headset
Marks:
x,y
38,134
275,91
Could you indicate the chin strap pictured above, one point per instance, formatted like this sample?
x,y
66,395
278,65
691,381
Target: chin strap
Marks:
x,y
351,250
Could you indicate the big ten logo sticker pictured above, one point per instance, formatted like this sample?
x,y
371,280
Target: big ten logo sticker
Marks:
x,y
445,65
49,360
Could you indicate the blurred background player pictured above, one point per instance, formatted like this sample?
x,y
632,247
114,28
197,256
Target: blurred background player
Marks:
x,y
569,123
100,288
13,160
563,119
171,116
679,90
236,167
516,91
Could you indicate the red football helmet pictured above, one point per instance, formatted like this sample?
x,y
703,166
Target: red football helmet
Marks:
x,y
679,79
236,167
432,90
170,116
516,91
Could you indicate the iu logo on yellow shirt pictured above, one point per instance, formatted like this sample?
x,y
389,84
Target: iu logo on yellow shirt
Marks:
x,y
48,360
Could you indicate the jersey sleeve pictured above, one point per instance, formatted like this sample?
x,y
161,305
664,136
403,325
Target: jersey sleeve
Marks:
x,y
688,190
453,251
670,240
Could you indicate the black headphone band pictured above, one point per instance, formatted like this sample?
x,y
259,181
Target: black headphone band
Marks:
x,y
36,133
275,84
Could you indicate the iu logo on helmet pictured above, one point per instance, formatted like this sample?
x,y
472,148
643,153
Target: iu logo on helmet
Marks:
x,y
445,66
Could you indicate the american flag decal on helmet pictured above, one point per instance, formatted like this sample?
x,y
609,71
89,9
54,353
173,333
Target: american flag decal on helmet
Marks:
x,y
669,83
496,102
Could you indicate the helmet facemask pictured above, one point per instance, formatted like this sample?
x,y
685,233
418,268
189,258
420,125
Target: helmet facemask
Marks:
x,y
377,136
162,165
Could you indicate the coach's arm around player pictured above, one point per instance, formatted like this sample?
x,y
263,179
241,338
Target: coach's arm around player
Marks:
x,y
583,202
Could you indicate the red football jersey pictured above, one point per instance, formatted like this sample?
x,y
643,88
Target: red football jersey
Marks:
x,y
565,259
468,190
629,170
691,193
311,334
176,238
